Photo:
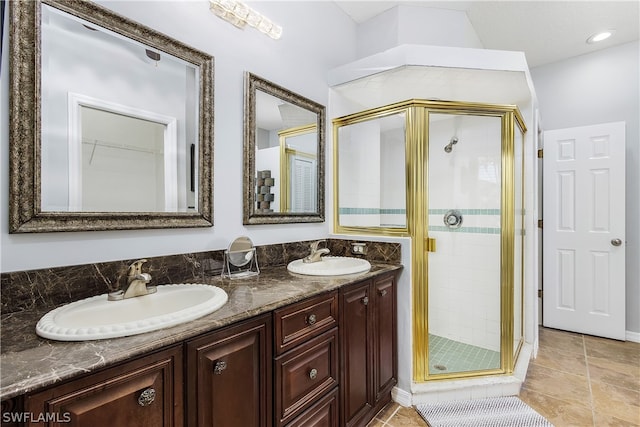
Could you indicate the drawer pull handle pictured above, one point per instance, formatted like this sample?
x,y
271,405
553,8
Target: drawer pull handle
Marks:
x,y
313,373
219,367
365,300
147,397
311,319
383,292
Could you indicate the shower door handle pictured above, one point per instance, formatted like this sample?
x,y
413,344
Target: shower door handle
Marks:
x,y
430,244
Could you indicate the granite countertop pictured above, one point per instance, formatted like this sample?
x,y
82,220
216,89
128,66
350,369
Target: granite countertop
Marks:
x,y
29,362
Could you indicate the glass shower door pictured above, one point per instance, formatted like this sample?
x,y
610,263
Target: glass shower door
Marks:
x,y
464,219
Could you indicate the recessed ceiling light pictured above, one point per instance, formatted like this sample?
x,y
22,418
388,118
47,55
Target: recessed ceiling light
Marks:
x,y
598,37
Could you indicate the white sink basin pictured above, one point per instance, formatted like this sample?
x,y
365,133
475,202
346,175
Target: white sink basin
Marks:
x,y
330,266
97,318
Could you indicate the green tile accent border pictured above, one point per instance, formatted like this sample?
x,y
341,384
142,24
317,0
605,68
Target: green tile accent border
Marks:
x,y
466,211
371,211
463,229
442,228
390,211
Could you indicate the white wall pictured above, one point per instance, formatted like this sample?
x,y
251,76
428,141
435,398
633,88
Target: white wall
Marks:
x,y
597,88
298,61
416,24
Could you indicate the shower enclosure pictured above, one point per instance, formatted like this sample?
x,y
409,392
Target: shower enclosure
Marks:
x,y
450,175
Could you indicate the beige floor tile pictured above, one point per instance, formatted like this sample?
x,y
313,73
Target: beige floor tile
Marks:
x,y
558,384
605,420
406,417
559,360
388,411
376,423
614,373
626,352
561,340
619,402
561,413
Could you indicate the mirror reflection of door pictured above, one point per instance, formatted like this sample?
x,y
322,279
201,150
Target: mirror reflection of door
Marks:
x,y
122,163
280,124
298,160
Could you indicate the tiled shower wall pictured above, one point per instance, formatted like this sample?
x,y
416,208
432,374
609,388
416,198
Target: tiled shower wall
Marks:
x,y
464,271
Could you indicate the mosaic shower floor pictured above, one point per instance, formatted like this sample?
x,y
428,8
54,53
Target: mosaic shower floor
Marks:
x,y
446,356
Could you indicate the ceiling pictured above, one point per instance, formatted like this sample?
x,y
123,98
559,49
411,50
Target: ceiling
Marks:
x,y
545,30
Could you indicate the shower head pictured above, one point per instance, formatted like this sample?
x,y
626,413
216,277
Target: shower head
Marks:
x,y
449,147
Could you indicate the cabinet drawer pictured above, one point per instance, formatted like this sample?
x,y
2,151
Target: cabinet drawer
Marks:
x,y
306,319
324,413
304,374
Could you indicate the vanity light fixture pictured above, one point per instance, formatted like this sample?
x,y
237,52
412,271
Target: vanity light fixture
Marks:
x,y
239,14
600,36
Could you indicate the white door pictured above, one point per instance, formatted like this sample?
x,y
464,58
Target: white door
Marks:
x,y
583,230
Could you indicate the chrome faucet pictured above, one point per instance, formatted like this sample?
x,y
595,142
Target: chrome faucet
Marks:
x,y
136,283
316,253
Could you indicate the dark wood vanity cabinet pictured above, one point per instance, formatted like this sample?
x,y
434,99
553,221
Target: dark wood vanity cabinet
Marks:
x,y
368,348
306,362
144,392
229,377
326,361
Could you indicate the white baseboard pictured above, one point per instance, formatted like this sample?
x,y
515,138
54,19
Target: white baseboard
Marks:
x,y
401,397
633,336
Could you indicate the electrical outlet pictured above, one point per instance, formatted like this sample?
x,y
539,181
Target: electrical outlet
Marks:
x,y
358,248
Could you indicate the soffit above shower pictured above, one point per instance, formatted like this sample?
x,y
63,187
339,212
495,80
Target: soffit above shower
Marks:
x,y
431,72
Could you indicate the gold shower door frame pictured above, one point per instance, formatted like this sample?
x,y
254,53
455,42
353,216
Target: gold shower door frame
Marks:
x,y
419,184
417,168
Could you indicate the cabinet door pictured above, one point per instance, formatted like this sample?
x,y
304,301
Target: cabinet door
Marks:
x,y
229,376
144,392
385,337
356,330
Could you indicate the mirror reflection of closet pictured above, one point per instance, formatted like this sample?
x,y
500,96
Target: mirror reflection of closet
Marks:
x,y
110,122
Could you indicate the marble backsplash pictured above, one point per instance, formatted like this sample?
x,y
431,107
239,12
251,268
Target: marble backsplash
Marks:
x,y
50,287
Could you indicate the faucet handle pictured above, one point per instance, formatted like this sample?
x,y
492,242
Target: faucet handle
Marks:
x,y
136,267
314,245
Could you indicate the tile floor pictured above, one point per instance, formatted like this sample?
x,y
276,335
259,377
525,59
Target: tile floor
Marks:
x,y
576,381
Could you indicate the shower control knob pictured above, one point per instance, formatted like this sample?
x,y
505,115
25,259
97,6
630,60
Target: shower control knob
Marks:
x,y
616,242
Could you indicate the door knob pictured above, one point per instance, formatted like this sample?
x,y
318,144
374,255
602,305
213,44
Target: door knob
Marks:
x,y
616,242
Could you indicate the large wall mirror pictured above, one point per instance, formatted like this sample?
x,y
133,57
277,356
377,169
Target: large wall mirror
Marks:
x,y
111,122
283,155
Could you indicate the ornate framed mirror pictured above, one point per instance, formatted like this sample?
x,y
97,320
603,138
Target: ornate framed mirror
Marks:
x,y
111,122
284,140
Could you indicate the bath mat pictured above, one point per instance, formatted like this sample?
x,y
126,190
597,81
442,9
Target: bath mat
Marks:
x,y
492,412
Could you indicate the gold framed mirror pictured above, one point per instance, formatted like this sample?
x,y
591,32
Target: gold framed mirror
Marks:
x,y
284,140
86,155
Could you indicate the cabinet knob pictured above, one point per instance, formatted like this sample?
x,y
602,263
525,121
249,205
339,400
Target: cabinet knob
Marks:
x,y
147,397
365,300
219,367
311,319
313,373
383,292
